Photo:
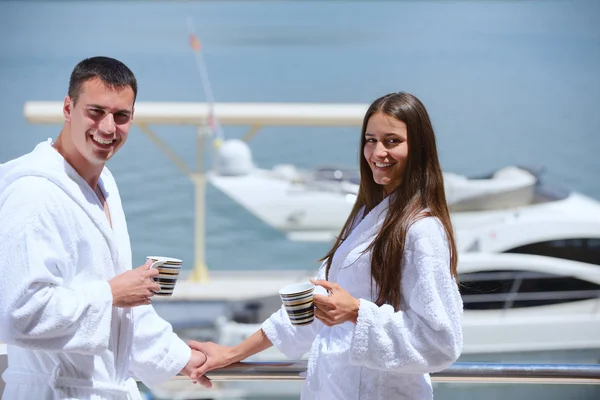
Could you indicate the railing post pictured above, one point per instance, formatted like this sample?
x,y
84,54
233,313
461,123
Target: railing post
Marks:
x,y
3,365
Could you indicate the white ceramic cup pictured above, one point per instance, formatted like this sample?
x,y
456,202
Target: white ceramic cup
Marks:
x,y
169,269
297,300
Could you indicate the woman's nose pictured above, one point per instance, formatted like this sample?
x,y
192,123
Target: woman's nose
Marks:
x,y
380,150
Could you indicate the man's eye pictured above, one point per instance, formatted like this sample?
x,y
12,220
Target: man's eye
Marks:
x,y
121,118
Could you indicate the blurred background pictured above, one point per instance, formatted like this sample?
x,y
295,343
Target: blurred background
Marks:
x,y
505,83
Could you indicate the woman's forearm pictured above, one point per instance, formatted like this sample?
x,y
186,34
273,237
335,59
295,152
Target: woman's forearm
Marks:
x,y
256,343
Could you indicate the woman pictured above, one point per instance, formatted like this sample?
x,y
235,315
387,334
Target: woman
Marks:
x,y
393,310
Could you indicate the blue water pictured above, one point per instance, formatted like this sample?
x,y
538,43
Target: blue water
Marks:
x,y
505,82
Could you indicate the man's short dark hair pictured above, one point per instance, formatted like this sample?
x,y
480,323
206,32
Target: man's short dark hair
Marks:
x,y
111,72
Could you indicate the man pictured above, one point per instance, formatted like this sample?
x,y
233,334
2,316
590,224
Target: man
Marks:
x,y
76,317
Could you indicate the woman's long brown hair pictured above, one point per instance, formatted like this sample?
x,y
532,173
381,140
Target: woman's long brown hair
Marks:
x,y
422,187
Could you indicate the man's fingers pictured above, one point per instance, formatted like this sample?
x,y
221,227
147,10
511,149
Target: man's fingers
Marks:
x,y
197,374
204,381
154,288
153,272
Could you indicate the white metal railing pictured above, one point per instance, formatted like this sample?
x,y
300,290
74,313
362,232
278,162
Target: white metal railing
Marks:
x,y
458,372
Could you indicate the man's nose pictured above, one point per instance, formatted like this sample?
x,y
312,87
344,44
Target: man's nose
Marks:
x,y
107,125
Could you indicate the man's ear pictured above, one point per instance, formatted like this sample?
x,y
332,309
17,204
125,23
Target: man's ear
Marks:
x,y
132,113
67,108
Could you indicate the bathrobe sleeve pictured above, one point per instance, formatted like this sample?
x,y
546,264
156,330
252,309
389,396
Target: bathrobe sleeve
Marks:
x,y
157,353
36,309
292,340
427,336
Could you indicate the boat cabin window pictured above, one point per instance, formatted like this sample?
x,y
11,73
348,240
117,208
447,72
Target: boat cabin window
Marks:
x,y
583,250
496,290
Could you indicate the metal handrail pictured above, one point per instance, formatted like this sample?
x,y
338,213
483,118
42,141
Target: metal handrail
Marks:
x,y
460,372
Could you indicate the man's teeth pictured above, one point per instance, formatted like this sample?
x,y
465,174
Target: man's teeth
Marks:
x,y
101,141
381,165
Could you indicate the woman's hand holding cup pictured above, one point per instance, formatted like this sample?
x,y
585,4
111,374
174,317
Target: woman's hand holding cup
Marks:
x,y
337,307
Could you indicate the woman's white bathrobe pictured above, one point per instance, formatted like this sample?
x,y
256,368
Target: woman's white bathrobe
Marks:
x,y
386,355
57,253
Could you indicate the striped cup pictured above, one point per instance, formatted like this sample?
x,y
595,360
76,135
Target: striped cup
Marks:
x,y
297,299
168,269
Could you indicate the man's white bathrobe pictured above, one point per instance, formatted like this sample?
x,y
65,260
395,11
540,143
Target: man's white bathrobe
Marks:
x,y
387,354
57,253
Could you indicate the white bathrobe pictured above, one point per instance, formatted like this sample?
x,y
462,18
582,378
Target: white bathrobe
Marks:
x,y
387,354
57,253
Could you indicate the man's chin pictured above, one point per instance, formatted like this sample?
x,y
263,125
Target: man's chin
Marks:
x,y
99,156
97,159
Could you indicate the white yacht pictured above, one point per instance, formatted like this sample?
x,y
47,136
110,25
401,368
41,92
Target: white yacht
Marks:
x,y
568,228
313,205
515,303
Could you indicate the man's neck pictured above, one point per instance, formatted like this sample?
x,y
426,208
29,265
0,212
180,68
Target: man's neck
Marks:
x,y
89,172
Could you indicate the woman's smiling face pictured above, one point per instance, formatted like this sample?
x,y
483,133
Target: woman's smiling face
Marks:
x,y
386,150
